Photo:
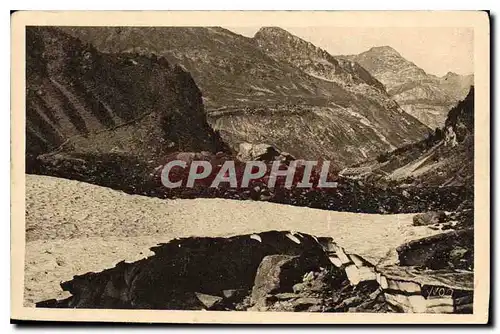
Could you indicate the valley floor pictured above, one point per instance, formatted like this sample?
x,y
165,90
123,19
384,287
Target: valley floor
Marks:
x,y
73,228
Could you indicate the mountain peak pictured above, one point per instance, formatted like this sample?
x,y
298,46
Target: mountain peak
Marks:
x,y
275,31
279,36
386,49
450,74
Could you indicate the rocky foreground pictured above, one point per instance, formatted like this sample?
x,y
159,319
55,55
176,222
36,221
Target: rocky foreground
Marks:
x,y
73,228
269,271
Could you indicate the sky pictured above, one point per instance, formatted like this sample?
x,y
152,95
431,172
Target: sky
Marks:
x,y
436,50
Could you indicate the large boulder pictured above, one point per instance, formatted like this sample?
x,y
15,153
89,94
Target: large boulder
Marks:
x,y
429,218
261,152
452,249
279,273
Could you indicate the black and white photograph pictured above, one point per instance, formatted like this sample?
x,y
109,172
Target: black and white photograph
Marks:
x,y
268,168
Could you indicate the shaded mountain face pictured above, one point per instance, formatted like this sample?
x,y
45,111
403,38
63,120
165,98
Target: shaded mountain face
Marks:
x,y
82,102
425,96
443,159
311,106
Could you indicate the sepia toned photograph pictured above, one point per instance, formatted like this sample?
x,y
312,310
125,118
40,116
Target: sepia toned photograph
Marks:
x,y
325,166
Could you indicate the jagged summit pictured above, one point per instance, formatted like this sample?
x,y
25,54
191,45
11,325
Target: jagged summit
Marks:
x,y
384,49
282,45
389,67
278,35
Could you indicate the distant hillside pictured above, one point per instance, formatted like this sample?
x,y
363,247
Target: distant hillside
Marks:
x,y
425,96
311,106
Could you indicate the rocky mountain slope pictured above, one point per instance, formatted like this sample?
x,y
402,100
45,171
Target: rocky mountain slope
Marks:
x,y
445,158
423,95
313,106
283,46
84,103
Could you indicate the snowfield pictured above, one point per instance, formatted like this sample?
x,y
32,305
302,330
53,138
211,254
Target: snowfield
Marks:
x,y
74,227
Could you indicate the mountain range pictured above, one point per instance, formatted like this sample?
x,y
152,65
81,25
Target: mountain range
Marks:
x,y
110,106
139,94
274,88
425,96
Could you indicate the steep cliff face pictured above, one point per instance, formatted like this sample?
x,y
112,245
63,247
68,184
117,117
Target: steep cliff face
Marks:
x,y
425,96
445,158
80,101
311,109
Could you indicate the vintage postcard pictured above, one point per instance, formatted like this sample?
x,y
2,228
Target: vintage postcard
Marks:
x,y
251,167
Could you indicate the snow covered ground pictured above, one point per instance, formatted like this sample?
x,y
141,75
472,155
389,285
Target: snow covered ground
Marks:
x,y
74,227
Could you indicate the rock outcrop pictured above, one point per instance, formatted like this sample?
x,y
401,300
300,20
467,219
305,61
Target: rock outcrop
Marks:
x,y
452,249
268,271
416,290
